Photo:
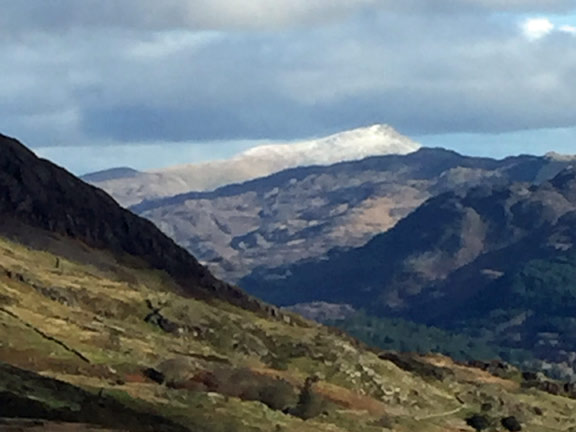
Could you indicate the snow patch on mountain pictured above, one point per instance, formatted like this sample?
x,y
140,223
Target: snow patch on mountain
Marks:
x,y
263,160
351,145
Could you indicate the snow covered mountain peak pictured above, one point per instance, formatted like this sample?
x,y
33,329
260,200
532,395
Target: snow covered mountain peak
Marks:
x,y
257,162
349,145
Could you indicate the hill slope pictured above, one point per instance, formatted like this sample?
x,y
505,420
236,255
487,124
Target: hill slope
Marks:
x,y
90,330
41,202
256,162
417,257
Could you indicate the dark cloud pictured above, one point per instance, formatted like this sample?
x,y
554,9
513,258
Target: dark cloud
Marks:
x,y
421,75
138,71
62,15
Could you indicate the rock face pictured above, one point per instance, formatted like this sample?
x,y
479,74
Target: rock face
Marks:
x,y
305,212
38,195
441,256
256,162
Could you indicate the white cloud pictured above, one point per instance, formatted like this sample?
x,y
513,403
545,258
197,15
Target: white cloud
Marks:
x,y
537,28
162,44
568,29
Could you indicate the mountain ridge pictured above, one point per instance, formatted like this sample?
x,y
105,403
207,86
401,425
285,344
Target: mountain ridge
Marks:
x,y
300,172
468,224
110,174
499,262
305,212
257,162
40,195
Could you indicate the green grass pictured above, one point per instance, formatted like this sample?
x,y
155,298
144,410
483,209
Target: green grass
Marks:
x,y
99,311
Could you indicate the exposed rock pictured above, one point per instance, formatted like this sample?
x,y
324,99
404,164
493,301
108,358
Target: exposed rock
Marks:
x,y
512,424
156,318
419,367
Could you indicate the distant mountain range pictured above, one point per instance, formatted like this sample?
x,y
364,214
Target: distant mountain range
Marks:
x,y
131,187
304,213
495,261
446,251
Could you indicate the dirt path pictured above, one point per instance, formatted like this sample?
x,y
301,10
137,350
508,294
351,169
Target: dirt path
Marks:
x,y
440,415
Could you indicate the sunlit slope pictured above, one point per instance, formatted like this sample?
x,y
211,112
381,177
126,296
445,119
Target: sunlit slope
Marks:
x,y
95,327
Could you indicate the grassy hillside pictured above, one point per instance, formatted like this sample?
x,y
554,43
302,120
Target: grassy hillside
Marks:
x,y
117,347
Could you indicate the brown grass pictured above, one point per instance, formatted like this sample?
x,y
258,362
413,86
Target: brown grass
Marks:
x,y
470,374
340,396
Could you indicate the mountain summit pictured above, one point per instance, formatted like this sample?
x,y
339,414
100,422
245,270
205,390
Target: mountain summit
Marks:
x,y
256,162
345,146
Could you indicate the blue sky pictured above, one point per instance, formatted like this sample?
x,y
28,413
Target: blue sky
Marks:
x,y
538,142
102,83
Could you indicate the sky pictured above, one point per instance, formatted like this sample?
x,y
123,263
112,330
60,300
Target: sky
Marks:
x,y
94,84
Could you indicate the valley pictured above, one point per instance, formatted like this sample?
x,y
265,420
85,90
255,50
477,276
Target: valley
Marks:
x,y
106,322
359,235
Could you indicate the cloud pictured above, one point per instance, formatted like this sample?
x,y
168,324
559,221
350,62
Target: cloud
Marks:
x,y
59,15
523,5
140,71
65,15
568,29
537,28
